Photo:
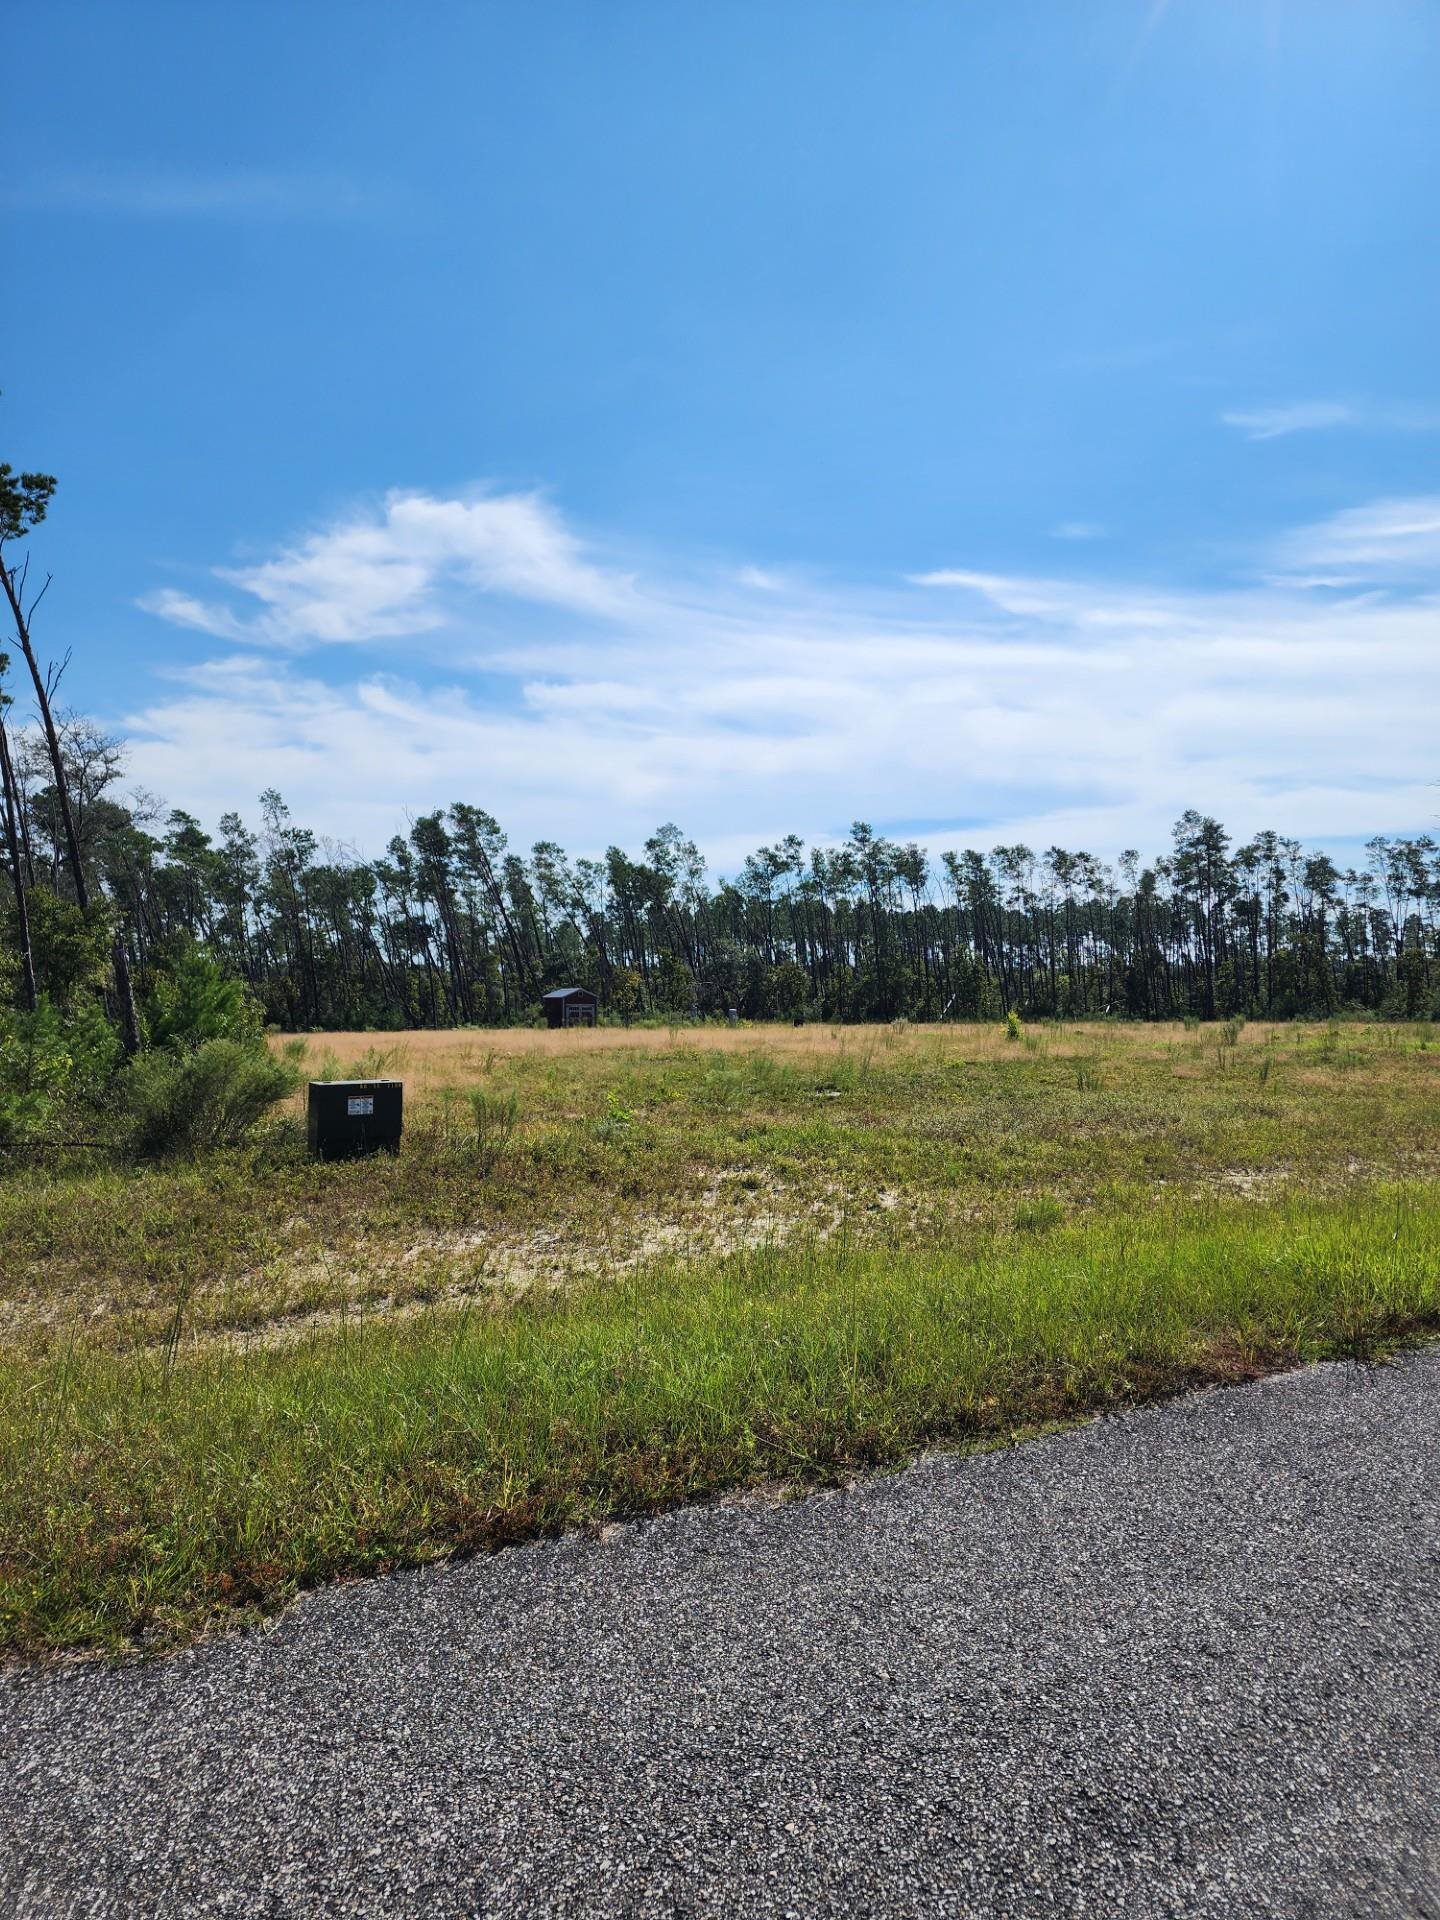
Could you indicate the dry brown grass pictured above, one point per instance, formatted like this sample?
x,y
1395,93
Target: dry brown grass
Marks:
x,y
428,1060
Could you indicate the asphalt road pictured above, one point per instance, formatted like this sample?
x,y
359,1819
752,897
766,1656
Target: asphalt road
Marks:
x,y
1184,1662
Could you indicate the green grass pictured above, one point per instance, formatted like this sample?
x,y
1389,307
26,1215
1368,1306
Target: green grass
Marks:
x,y
145,1495
606,1276
586,1151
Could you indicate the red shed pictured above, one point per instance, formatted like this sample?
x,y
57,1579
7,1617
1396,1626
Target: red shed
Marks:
x,y
570,1007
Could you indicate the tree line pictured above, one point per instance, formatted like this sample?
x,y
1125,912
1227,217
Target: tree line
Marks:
x,y
452,926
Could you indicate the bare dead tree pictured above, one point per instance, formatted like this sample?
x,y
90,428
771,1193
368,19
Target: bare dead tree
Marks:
x,y
24,501
12,848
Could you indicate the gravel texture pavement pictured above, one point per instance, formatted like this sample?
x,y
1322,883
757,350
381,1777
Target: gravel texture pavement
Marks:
x,y
1185,1662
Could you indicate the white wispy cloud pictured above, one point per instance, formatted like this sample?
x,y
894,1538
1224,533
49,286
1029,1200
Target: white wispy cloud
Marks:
x,y
242,193
383,575
1154,15
1078,530
1378,544
1301,416
201,616
986,705
1311,416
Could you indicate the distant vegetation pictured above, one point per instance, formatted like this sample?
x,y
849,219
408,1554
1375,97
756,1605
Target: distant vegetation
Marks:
x,y
452,928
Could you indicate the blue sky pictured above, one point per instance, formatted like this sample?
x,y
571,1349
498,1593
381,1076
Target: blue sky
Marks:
x,y
992,421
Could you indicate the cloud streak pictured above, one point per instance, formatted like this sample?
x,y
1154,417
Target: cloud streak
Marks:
x,y
1382,543
1312,416
241,194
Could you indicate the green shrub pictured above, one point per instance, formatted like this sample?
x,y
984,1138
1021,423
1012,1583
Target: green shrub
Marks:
x,y
1014,1028
193,1001
95,1049
35,1070
207,1097
71,945
51,1061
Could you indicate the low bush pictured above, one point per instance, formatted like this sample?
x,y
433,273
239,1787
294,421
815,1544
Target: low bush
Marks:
x,y
209,1096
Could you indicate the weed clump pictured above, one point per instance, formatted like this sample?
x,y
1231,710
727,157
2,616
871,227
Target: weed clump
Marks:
x,y
1038,1216
496,1117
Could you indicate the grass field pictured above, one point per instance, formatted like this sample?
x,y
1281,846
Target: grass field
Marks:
x,y
615,1269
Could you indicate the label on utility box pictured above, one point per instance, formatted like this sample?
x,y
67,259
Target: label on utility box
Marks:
x,y
360,1103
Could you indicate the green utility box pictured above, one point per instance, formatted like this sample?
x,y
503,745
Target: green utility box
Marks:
x,y
350,1117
